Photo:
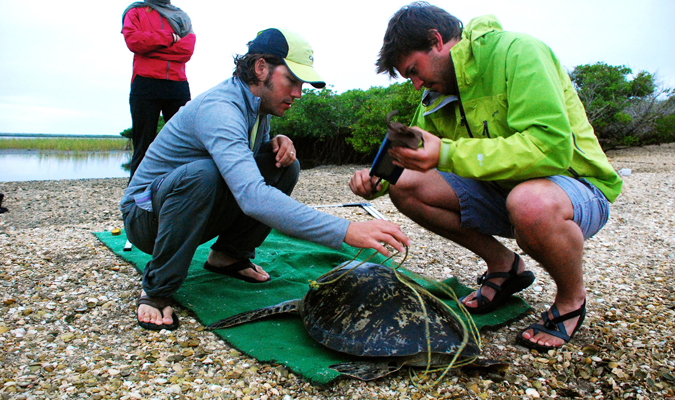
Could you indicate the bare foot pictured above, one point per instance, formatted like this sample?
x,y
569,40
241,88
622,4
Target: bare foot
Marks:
x,y
486,291
221,260
153,315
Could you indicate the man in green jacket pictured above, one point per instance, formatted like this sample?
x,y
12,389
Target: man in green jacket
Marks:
x,y
507,151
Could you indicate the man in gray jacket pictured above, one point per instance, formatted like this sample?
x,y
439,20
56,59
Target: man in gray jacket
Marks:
x,y
213,171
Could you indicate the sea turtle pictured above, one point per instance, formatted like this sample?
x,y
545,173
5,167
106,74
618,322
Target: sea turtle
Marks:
x,y
371,310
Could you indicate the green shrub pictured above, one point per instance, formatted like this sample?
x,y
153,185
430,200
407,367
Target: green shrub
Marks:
x,y
624,108
127,133
331,128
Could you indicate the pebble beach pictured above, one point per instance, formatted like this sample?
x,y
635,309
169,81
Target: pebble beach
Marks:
x,y
68,327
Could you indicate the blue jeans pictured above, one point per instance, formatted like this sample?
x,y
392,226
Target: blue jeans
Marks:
x,y
192,205
483,204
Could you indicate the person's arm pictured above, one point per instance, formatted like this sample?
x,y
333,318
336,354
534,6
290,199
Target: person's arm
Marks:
x,y
140,41
421,159
532,138
180,51
222,129
536,139
375,235
366,186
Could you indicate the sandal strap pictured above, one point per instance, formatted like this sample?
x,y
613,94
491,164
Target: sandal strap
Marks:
x,y
485,278
480,299
513,283
155,302
241,265
557,321
514,266
536,328
562,318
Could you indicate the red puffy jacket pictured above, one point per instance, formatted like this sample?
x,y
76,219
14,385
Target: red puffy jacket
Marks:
x,y
150,37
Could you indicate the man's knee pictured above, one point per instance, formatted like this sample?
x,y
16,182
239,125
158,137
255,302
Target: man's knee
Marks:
x,y
204,170
289,177
141,228
199,181
532,203
404,192
283,178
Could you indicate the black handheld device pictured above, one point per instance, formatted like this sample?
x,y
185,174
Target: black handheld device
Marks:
x,y
397,135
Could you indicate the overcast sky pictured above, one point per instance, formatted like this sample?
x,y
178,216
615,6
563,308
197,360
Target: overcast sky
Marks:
x,y
64,66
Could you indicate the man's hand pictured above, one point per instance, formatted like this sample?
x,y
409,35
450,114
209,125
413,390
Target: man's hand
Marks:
x,y
421,159
283,147
375,234
362,184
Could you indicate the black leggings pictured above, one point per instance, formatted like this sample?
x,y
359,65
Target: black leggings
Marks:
x,y
145,117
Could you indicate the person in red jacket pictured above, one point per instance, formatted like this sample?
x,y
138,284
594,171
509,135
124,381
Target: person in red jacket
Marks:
x,y
160,36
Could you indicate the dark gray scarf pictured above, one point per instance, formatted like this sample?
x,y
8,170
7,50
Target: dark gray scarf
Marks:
x,y
178,19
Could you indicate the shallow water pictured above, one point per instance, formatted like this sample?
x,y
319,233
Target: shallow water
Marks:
x,y
30,165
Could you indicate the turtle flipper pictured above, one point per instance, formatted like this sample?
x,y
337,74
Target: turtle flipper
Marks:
x,y
366,370
290,306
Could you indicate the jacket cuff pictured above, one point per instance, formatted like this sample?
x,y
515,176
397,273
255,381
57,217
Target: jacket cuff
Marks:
x,y
444,160
169,36
385,189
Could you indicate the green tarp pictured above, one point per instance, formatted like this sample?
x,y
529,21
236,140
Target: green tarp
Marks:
x,y
291,263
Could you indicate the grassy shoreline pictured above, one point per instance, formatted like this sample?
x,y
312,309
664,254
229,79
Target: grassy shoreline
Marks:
x,y
65,144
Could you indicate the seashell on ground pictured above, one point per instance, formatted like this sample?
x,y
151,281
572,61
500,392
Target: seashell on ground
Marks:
x,y
68,328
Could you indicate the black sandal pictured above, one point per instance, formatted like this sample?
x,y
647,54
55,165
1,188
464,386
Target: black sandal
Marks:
x,y
233,269
159,303
554,327
513,284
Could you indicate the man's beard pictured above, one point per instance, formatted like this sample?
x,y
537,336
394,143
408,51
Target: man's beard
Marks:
x,y
265,107
449,79
268,81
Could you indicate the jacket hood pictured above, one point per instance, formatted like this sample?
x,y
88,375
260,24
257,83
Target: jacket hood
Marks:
x,y
479,26
463,53
464,60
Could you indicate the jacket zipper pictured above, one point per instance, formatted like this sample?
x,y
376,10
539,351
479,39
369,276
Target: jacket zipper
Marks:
x,y
574,138
168,66
570,169
464,122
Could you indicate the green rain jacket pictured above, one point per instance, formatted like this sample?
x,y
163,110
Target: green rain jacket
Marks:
x,y
523,117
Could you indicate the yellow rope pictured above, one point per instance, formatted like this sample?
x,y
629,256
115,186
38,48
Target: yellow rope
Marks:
x,y
466,331
314,284
426,316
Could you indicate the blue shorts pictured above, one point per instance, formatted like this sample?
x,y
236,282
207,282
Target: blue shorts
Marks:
x,y
483,204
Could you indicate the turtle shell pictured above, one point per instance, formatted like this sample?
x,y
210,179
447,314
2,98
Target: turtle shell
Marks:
x,y
370,312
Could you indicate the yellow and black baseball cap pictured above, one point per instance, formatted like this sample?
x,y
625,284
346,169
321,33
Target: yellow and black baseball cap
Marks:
x,y
293,49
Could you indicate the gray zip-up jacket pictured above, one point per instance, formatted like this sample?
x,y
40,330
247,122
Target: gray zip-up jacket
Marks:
x,y
217,124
